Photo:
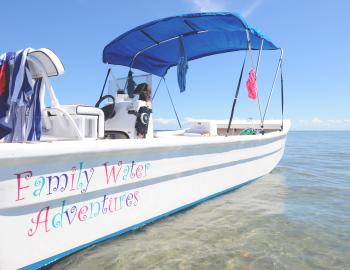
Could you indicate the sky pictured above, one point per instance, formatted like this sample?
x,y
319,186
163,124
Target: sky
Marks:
x,y
314,35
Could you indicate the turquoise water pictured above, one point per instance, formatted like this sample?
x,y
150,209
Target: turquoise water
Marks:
x,y
297,217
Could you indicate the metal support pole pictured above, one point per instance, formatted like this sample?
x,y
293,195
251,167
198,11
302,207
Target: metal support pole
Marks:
x,y
157,88
249,47
282,97
257,92
252,63
259,57
161,42
236,96
104,85
273,84
172,103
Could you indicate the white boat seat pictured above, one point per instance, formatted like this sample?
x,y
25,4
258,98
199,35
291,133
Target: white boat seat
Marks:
x,y
89,121
83,110
202,128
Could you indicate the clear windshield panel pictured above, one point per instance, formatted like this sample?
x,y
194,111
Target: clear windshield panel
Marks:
x,y
116,84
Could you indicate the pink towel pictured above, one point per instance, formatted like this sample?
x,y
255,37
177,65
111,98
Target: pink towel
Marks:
x,y
251,84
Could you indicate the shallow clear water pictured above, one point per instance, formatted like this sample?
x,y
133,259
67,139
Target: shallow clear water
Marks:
x,y
297,217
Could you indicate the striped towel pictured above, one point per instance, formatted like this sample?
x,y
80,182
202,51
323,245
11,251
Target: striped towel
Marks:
x,y
23,115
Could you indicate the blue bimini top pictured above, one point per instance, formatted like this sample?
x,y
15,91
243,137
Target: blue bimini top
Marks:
x,y
154,47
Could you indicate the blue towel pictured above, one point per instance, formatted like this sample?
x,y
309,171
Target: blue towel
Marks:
x,y
34,113
4,131
182,66
20,120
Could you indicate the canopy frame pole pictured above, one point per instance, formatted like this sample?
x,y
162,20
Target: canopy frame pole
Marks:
x,y
250,48
236,95
160,80
256,78
172,103
126,81
104,84
161,42
150,47
274,81
252,64
259,57
282,97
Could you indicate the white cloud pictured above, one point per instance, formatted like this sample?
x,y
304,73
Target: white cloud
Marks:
x,y
189,120
207,5
249,10
165,121
321,124
316,120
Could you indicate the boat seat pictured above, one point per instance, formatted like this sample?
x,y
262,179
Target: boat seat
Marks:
x,y
86,111
202,128
88,120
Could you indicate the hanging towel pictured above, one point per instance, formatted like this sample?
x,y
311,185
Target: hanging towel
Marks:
x,y
22,119
4,91
20,91
182,66
251,84
21,87
2,78
33,114
5,81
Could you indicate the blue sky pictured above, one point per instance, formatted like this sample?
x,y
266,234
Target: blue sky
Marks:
x,y
314,35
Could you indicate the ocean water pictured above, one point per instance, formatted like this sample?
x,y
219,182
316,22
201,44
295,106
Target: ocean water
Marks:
x,y
297,217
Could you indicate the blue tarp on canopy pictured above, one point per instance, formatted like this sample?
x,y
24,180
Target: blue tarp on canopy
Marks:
x,y
154,46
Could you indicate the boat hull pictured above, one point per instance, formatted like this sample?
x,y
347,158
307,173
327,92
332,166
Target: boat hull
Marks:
x,y
67,196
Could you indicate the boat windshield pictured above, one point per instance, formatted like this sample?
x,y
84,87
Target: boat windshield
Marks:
x,y
116,84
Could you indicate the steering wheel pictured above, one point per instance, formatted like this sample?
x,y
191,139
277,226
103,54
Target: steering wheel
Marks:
x,y
108,110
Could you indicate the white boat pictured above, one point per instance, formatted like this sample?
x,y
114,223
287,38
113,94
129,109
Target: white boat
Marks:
x,y
81,183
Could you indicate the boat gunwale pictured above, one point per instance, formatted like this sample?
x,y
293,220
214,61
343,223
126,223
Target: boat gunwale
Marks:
x,y
20,151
